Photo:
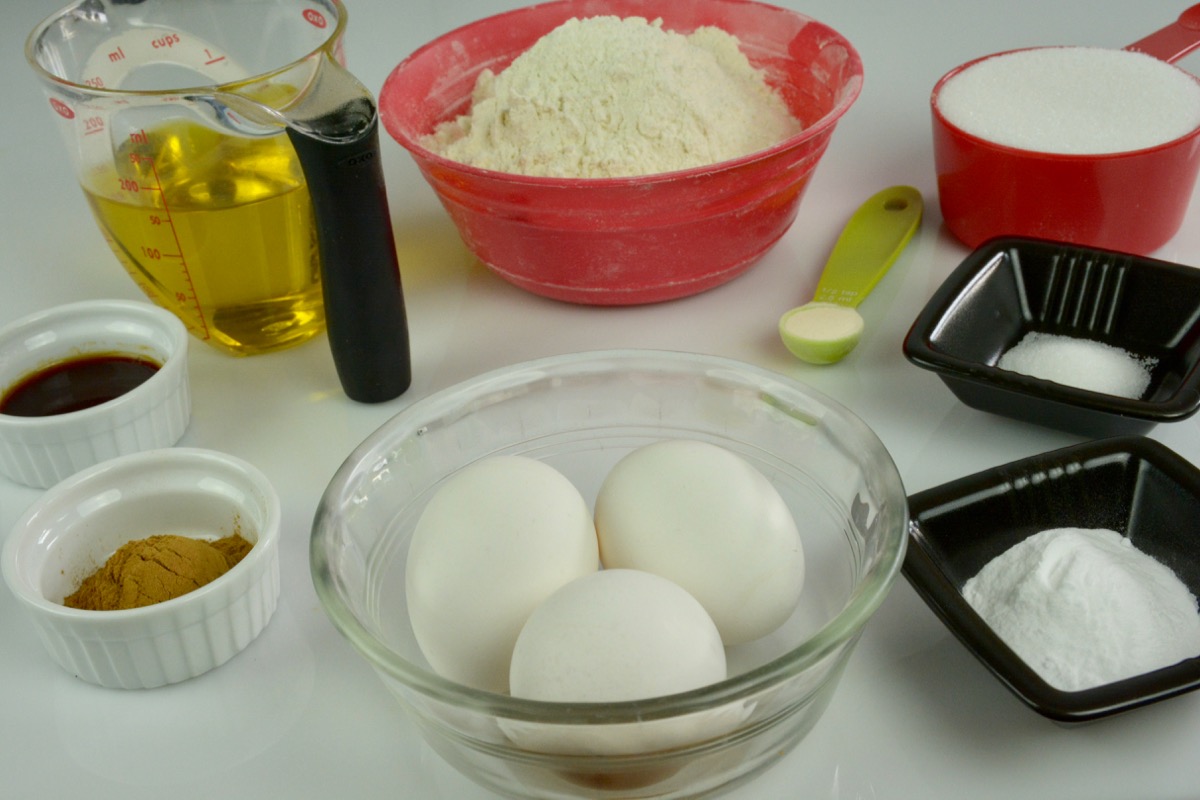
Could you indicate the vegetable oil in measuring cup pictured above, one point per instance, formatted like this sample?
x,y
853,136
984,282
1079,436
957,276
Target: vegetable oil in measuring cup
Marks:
x,y
219,230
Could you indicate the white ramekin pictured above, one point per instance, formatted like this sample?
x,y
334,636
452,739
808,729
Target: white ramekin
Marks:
x,y
76,525
41,451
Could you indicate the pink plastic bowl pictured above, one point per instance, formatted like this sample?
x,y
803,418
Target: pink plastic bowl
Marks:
x,y
620,241
1132,201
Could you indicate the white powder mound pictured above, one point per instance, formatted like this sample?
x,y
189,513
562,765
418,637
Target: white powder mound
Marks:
x,y
1081,100
1084,607
1081,363
610,97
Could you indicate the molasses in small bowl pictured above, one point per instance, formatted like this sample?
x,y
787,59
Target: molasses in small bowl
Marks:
x,y
85,382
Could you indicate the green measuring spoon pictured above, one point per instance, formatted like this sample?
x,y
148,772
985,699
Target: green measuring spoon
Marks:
x,y
826,329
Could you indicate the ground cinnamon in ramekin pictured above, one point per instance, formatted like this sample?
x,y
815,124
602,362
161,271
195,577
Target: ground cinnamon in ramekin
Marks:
x,y
159,568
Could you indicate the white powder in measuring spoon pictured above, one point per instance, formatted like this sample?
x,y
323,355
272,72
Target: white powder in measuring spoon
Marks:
x,y
1072,100
1082,363
610,97
1084,607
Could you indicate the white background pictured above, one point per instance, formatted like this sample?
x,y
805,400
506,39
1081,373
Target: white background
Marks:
x,y
300,715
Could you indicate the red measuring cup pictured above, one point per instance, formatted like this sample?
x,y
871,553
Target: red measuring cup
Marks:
x,y
1133,201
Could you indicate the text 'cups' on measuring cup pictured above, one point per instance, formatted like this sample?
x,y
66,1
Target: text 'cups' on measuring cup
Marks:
x,y
233,165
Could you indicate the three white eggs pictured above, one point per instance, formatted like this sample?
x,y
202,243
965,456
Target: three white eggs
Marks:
x,y
512,587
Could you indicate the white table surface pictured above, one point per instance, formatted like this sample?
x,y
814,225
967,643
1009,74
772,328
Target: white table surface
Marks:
x,y
300,715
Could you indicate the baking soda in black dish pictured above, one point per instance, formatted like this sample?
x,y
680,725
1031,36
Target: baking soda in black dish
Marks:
x,y
1084,607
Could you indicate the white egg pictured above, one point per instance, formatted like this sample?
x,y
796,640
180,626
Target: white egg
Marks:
x,y
616,635
496,539
705,518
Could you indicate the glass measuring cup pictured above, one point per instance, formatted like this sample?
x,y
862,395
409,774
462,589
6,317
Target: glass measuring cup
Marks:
x,y
232,164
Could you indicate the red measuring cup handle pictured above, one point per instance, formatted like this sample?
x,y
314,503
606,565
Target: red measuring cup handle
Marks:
x,y
1174,41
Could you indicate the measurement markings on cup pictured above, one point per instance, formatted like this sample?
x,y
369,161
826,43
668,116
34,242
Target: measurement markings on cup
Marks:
x,y
187,296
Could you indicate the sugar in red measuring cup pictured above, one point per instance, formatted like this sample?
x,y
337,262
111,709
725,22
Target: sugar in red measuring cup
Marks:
x,y
1019,145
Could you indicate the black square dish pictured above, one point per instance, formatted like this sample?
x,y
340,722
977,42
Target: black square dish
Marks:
x,y
1012,286
1132,485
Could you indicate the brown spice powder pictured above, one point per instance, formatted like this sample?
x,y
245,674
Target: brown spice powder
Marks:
x,y
159,568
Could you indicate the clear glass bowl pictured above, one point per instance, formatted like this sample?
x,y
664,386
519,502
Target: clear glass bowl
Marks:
x,y
581,413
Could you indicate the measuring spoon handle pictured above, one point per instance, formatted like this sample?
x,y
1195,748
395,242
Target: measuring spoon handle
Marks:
x,y
360,275
868,245
1174,41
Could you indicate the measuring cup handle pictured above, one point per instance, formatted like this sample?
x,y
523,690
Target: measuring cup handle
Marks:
x,y
1174,41
364,300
